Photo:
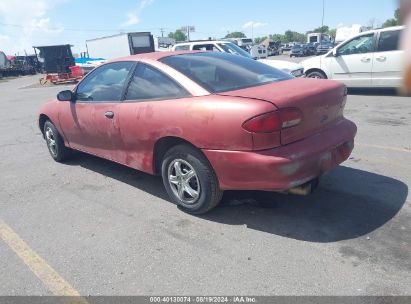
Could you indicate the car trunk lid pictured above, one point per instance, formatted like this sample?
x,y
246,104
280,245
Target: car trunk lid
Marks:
x,y
320,101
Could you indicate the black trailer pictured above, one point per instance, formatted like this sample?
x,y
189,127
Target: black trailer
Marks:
x,y
55,58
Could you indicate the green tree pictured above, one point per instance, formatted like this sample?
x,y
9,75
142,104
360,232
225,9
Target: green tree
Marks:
x,y
258,40
291,36
178,35
390,22
288,36
332,33
277,37
393,21
235,35
397,15
321,29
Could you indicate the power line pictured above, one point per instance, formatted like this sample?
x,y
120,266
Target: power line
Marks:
x,y
76,29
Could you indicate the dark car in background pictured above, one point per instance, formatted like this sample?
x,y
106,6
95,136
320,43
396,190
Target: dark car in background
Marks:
x,y
312,48
299,50
324,48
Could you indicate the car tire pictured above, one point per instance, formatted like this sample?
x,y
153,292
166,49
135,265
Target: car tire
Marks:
x,y
316,75
200,192
55,143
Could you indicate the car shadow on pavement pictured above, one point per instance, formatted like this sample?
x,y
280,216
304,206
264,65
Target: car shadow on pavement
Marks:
x,y
348,203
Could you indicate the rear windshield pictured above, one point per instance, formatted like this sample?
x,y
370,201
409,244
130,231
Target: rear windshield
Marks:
x,y
221,72
234,49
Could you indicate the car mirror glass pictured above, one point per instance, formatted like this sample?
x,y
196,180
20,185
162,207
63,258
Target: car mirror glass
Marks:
x,y
65,95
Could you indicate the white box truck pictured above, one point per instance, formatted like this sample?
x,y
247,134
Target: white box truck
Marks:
x,y
318,38
344,33
120,45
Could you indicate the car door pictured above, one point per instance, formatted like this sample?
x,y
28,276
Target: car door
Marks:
x,y
150,100
352,64
91,121
387,67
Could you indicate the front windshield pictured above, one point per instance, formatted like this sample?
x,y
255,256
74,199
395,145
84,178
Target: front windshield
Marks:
x,y
234,49
221,72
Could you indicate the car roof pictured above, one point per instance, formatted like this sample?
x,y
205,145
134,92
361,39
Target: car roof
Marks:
x,y
156,56
385,29
203,42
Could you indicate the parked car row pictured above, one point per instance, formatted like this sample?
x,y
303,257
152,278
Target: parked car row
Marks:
x,y
310,49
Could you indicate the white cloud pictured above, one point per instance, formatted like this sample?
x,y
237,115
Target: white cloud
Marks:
x,y
43,25
133,17
145,3
253,24
33,25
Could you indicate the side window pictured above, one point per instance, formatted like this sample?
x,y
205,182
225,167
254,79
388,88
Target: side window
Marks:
x,y
389,41
182,48
149,83
105,84
360,45
205,47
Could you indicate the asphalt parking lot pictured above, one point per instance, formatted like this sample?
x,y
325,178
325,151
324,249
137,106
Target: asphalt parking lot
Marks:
x,y
103,229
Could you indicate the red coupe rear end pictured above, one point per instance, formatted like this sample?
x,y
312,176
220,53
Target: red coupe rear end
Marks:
x,y
314,137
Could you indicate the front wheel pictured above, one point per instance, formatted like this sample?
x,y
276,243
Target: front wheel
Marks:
x,y
55,143
189,180
316,75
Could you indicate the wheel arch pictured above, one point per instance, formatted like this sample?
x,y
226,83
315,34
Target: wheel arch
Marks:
x,y
316,70
42,120
164,144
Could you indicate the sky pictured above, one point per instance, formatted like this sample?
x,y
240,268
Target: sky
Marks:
x,y
24,23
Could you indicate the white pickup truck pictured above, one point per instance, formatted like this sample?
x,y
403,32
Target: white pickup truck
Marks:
x,y
292,68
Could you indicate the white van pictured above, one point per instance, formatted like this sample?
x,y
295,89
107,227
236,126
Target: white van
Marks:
x,y
258,52
369,59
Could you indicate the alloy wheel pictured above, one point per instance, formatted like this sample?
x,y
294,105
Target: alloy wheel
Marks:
x,y
184,181
51,141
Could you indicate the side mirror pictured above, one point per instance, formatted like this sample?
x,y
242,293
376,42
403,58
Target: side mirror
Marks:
x,y
66,95
335,52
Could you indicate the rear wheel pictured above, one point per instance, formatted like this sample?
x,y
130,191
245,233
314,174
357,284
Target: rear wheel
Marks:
x,y
55,143
189,180
316,75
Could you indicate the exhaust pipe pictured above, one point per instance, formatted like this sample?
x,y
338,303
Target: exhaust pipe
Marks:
x,y
306,188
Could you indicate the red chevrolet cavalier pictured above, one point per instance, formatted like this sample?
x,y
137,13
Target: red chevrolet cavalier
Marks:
x,y
206,122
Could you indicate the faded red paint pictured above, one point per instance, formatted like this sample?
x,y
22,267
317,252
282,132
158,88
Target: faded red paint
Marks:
x,y
213,123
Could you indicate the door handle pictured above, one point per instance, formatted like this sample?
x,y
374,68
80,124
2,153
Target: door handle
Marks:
x,y
365,59
109,114
381,58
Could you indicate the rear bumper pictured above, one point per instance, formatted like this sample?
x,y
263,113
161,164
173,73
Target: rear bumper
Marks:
x,y
284,167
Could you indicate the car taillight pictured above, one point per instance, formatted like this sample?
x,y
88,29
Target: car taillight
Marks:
x,y
264,123
274,121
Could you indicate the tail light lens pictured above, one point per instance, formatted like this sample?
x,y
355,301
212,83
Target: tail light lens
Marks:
x,y
274,121
264,123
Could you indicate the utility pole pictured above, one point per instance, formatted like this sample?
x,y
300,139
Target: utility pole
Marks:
x,y
162,32
322,23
